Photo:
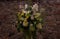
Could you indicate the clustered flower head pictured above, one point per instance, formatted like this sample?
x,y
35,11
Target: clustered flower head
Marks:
x,y
35,7
29,17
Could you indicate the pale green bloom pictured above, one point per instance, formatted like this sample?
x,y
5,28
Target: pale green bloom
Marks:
x,y
37,15
25,23
21,18
28,11
24,11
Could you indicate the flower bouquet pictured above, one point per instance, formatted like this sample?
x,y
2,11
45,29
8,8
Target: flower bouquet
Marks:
x,y
29,20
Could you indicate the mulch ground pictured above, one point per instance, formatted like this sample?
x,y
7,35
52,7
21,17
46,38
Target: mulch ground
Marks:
x,y
8,30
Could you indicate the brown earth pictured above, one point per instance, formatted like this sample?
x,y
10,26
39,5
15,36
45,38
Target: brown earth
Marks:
x,y
51,29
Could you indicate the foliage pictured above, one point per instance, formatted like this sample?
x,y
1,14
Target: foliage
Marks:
x,y
29,20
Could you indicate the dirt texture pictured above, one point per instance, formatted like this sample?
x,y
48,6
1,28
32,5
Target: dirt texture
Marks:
x,y
51,28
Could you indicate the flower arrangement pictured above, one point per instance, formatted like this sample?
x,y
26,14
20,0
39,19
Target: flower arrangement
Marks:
x,y
29,20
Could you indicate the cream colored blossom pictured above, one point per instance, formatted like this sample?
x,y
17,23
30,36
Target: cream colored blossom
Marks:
x,y
27,17
31,24
37,15
26,6
24,11
28,11
25,23
35,7
21,18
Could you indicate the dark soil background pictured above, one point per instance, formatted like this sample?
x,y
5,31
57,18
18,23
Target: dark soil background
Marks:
x,y
51,28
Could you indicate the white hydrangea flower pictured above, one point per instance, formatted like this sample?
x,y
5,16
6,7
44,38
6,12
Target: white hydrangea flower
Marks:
x,y
26,6
35,7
